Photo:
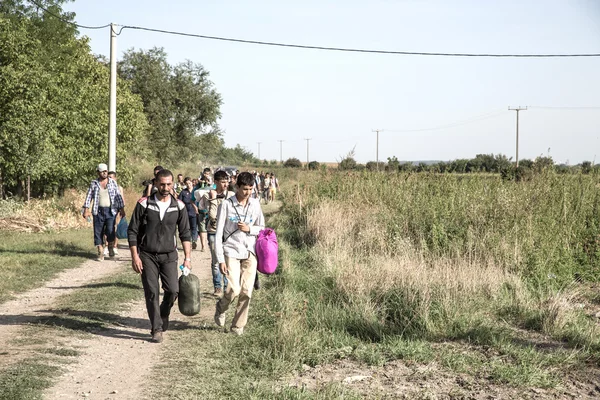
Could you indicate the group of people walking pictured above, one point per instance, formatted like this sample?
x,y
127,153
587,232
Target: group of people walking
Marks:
x,y
226,217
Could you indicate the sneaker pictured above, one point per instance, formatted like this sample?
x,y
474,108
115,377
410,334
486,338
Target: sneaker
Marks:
x,y
157,337
218,292
219,318
237,331
115,251
194,245
105,252
100,258
111,252
165,323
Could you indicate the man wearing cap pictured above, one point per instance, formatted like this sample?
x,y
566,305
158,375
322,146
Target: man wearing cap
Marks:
x,y
107,203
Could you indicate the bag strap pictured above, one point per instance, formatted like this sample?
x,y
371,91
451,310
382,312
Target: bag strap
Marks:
x,y
236,229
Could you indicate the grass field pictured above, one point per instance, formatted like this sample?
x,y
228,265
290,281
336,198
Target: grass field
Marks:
x,y
29,260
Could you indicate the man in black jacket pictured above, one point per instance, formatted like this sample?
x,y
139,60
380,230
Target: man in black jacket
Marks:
x,y
153,247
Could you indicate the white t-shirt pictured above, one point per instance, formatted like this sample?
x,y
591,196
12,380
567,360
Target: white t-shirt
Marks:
x,y
162,206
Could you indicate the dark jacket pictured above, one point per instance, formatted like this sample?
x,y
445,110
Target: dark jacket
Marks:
x,y
152,235
186,197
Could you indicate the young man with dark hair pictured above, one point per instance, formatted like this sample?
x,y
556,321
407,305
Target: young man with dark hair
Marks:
x,y
211,201
239,220
151,185
104,192
153,247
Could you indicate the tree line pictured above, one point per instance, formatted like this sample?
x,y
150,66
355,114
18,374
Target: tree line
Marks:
x,y
54,99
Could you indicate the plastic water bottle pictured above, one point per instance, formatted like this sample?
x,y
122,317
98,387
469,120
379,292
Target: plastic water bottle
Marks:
x,y
184,270
89,219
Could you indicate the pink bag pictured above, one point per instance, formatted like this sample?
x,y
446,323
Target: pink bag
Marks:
x,y
267,250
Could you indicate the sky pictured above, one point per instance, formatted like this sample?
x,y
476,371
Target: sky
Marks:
x,y
430,108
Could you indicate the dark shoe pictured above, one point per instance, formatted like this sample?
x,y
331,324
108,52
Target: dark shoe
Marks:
x,y
256,283
157,337
194,245
165,322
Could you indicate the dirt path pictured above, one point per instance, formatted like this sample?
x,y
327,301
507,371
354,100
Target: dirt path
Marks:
x,y
115,363
30,306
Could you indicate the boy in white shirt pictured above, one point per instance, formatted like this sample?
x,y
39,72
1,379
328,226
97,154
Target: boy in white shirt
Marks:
x,y
239,220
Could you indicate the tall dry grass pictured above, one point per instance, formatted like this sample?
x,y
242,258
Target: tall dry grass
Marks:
x,y
436,255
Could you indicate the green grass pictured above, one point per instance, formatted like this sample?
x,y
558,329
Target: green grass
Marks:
x,y
83,312
27,379
536,238
30,260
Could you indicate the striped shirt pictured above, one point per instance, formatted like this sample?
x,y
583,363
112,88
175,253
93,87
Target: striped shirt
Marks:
x,y
93,193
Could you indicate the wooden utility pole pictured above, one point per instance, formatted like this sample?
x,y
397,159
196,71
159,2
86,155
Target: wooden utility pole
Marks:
x,y
259,149
517,110
377,147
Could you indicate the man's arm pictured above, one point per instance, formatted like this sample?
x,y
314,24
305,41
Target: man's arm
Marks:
x,y
132,233
88,201
185,234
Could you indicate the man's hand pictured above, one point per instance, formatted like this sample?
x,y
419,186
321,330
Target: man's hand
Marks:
x,y
223,268
122,213
136,264
187,264
243,227
86,213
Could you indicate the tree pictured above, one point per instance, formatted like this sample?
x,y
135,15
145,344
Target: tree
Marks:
x,y
180,103
586,167
347,163
314,165
393,164
54,102
292,163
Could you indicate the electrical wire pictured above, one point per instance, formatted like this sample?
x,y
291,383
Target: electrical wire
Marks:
x,y
564,108
325,48
408,53
482,117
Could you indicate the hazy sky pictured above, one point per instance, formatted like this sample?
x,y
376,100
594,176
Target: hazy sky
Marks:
x,y
337,99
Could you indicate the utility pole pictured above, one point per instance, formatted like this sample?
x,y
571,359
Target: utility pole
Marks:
x,y
517,110
377,148
280,152
259,149
112,109
307,141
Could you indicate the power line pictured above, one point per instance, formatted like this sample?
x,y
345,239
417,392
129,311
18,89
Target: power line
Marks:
x,y
325,48
406,53
565,108
67,21
489,115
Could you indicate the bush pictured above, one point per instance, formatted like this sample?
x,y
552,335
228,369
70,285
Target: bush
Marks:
x,y
347,164
314,165
292,163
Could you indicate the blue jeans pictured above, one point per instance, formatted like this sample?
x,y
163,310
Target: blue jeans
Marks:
x,y
194,227
214,264
104,224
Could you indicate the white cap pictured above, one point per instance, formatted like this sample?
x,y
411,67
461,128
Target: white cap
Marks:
x,y
102,167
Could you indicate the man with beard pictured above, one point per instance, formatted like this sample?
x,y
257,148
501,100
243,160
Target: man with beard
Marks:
x,y
153,247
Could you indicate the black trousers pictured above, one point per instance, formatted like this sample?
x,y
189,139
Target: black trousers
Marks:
x,y
163,266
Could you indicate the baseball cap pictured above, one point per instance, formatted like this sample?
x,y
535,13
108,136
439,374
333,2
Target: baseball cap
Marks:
x,y
102,167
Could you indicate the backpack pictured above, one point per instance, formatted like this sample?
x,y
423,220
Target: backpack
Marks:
x,y
267,250
213,207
